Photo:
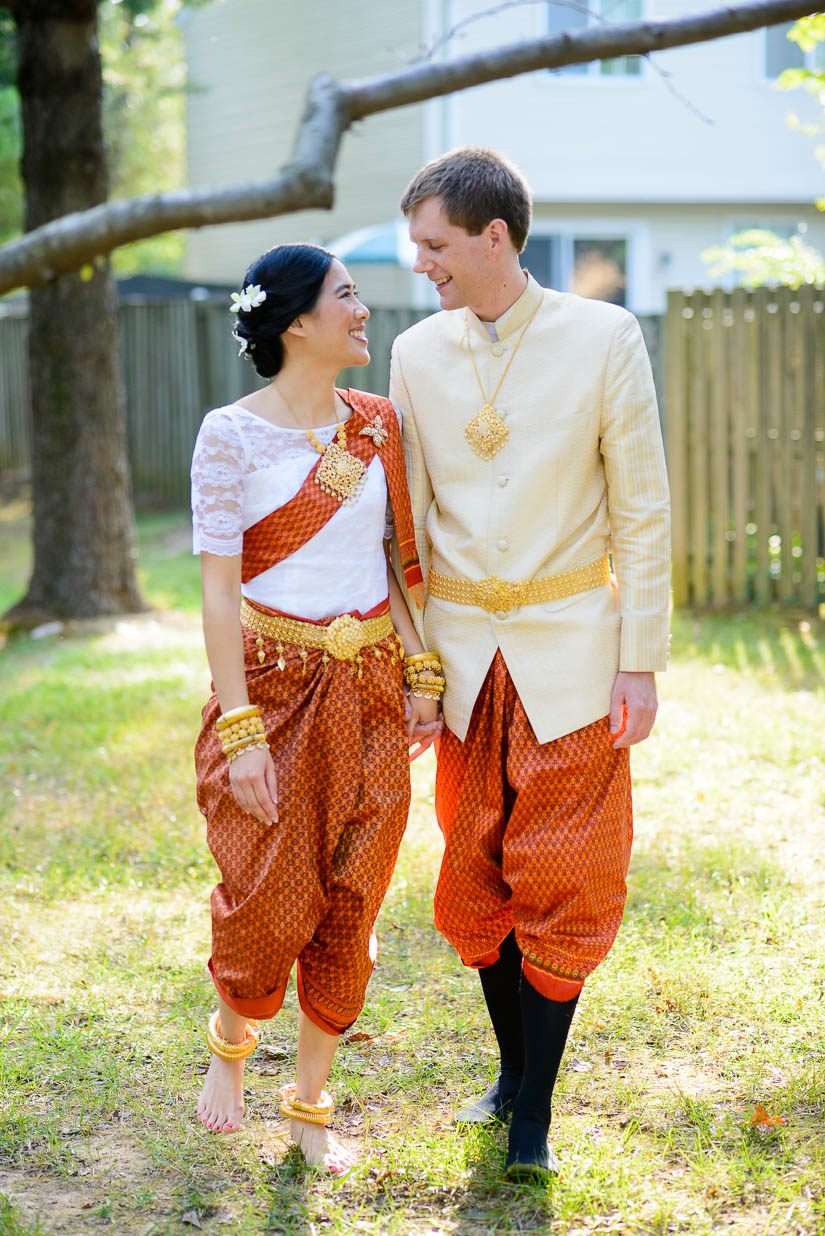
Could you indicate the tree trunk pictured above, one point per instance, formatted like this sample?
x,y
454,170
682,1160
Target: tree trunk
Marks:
x,y
84,560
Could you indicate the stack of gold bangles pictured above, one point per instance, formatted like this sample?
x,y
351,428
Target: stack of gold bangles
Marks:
x,y
309,1113
424,675
223,1048
240,730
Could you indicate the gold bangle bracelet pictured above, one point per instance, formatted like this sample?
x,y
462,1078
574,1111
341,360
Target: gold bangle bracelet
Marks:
x,y
247,746
237,714
231,740
233,735
414,657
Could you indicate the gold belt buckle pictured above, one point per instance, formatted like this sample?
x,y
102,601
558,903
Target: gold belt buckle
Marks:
x,y
344,638
494,594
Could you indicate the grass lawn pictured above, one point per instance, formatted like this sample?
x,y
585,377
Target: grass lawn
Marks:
x,y
711,1002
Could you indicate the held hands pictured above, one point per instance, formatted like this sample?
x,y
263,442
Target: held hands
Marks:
x,y
424,724
632,707
254,783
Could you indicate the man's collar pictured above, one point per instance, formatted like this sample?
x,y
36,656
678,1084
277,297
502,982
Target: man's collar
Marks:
x,y
514,317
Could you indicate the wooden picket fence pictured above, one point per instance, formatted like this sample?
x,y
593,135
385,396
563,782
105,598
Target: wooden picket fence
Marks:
x,y
745,400
179,360
744,419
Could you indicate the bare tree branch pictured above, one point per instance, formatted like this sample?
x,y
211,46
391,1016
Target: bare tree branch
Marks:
x,y
591,14
306,180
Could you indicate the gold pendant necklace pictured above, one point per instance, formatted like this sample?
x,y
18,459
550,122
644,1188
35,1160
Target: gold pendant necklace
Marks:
x,y
486,432
339,473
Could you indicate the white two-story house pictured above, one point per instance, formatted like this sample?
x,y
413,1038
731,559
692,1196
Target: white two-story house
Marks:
x,y
636,166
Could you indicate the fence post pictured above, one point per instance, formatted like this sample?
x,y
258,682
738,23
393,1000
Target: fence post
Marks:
x,y
676,442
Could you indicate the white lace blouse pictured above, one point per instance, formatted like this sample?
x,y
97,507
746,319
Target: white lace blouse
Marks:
x,y
244,467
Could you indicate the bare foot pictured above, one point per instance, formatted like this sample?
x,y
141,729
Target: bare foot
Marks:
x,y
220,1105
320,1148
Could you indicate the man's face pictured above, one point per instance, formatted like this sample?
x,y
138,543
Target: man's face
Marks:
x,y
457,263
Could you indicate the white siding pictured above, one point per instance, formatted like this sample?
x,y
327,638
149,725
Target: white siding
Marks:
x,y
665,241
620,156
249,65
625,139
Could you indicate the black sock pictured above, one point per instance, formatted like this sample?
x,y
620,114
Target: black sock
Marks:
x,y
546,1027
501,984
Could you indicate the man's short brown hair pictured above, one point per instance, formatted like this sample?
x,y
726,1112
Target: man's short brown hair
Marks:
x,y
475,186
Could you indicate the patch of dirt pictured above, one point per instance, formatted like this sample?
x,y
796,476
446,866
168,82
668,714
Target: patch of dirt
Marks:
x,y
106,1167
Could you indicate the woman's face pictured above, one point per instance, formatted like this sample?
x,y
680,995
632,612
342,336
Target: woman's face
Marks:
x,y
335,326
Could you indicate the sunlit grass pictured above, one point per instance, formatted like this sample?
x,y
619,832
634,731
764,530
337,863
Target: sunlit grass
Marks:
x,y
710,1003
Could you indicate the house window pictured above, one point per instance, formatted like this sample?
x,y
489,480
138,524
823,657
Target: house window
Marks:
x,y
563,20
781,53
591,267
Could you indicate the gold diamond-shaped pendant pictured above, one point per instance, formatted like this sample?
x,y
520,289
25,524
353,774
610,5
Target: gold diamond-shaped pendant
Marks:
x,y
340,473
487,433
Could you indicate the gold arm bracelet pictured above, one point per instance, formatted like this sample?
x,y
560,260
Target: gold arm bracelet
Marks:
x,y
231,738
247,746
421,656
237,714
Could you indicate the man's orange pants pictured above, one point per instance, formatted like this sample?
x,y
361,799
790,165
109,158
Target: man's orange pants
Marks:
x,y
537,838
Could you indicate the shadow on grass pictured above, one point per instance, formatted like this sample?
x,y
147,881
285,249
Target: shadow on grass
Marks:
x,y
490,1202
785,648
288,1185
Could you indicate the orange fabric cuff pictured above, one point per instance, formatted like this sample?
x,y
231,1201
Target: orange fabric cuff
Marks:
x,y
548,985
260,1007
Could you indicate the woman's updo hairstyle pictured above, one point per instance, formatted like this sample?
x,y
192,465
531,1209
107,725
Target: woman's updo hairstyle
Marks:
x,y
292,277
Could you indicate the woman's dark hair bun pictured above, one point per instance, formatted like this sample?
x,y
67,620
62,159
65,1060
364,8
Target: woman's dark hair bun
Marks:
x,y
292,277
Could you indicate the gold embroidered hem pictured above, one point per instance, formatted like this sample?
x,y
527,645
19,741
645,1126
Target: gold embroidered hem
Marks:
x,y
343,639
494,594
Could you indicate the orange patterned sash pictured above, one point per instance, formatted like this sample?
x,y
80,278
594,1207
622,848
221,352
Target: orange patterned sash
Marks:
x,y
283,531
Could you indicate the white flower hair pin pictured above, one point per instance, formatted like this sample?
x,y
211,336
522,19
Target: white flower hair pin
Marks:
x,y
249,298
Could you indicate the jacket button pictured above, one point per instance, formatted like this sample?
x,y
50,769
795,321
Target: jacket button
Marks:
x,y
501,614
501,481
503,544
497,349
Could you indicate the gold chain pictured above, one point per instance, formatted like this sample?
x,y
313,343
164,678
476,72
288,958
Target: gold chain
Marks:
x,y
339,473
486,431
316,445
494,395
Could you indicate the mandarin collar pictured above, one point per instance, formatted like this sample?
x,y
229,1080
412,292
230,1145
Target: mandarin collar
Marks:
x,y
514,317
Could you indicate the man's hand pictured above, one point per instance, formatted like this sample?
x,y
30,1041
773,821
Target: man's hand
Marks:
x,y
632,707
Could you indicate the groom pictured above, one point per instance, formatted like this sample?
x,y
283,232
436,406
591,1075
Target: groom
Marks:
x,y
533,451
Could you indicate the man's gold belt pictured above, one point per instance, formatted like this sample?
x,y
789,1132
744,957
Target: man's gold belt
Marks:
x,y
494,594
343,638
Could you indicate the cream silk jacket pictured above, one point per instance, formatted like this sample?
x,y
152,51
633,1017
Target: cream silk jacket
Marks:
x,y
582,474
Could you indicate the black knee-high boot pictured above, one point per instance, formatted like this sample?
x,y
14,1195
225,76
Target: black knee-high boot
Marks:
x,y
546,1025
501,983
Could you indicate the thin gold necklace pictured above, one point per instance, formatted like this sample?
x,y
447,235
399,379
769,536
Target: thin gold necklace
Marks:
x,y
339,472
486,432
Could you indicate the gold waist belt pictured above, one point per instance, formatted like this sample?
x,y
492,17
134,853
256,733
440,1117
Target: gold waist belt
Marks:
x,y
343,638
494,594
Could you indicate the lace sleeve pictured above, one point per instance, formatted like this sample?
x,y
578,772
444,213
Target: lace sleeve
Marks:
x,y
218,473
389,522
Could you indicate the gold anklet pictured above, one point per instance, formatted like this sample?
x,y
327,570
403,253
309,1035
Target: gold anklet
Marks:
x,y
223,1048
309,1113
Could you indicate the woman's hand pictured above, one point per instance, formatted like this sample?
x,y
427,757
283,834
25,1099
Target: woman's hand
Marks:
x,y
255,785
424,724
